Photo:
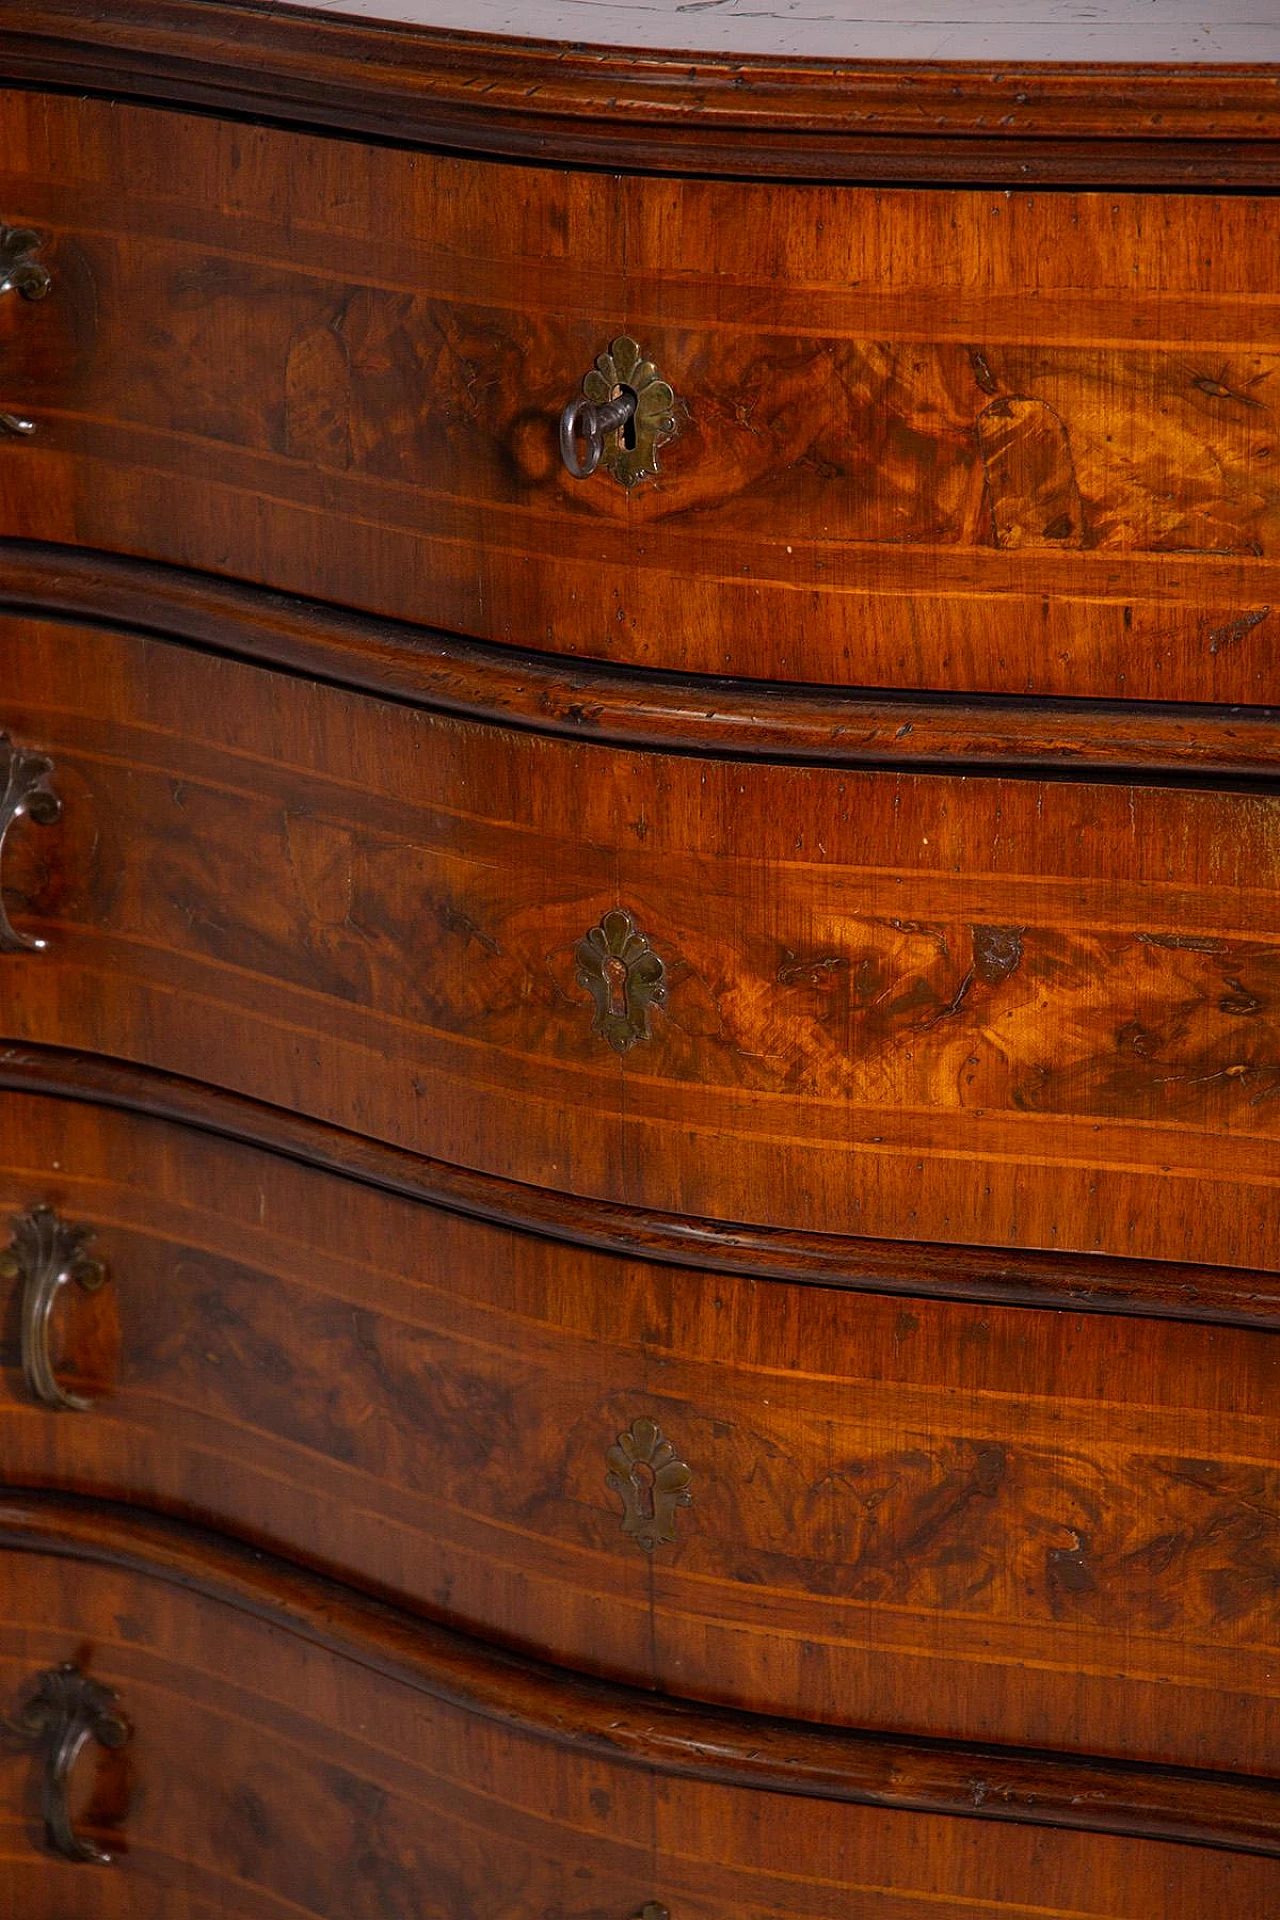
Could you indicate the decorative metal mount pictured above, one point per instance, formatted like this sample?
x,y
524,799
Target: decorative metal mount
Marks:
x,y
624,976
625,414
652,1910
47,1253
651,1482
67,1710
24,789
21,272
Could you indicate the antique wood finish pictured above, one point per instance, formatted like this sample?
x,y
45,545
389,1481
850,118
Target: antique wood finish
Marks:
x,y
1163,1289
588,700
263,1704
980,1523
1006,1012
929,439
1129,95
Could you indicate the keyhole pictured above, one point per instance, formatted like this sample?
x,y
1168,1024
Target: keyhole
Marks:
x,y
627,431
642,1480
615,973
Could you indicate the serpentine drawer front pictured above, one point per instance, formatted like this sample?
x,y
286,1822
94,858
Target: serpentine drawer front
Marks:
x,y
1007,441
639,960
815,1503
1010,1012
273,1745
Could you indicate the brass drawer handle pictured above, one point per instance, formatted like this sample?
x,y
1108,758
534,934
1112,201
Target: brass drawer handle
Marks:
x,y
24,790
66,1711
624,415
21,272
46,1254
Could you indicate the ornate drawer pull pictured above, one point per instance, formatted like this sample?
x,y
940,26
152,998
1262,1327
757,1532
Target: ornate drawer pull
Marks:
x,y
67,1710
47,1253
625,414
24,789
21,272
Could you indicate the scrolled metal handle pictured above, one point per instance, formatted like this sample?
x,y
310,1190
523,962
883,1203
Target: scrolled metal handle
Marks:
x,y
24,792
67,1710
21,272
584,420
46,1254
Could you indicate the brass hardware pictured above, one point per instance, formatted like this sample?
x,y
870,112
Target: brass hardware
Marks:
x,y
47,1253
626,413
623,975
21,272
67,1710
650,1481
652,1910
24,789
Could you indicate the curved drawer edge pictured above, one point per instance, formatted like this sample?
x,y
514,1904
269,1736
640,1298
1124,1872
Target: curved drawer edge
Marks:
x,y
593,701
764,116
1081,1282
647,1730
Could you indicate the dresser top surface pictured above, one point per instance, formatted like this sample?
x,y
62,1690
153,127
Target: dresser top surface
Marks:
x,y
1074,32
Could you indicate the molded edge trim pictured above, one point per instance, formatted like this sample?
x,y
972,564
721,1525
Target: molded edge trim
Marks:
x,y
634,1728
638,707
1165,1290
1193,126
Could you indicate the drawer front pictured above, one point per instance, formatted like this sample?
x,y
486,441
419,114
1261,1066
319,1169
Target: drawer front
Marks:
x,y
1004,1012
318,1770
984,1523
985,440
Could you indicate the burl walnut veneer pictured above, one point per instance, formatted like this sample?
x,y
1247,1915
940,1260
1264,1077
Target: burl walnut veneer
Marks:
x,y
639,961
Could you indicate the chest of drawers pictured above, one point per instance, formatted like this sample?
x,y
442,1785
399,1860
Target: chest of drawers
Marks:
x,y
637,1106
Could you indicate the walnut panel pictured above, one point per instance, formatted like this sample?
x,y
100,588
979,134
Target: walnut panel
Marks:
x,y
927,1517
951,439
1008,1012
286,1762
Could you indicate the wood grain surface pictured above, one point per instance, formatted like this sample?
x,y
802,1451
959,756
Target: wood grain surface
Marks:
x,y
1098,1283
1043,1529
985,441
1002,1012
1089,112
296,1750
589,700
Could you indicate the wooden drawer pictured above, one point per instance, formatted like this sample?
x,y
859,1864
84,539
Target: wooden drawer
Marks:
x,y
990,1523
289,1750
1008,1012
929,438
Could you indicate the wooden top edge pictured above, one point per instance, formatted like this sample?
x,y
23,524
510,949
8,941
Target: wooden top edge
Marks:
x,y
625,706
1079,1282
1117,124
643,1729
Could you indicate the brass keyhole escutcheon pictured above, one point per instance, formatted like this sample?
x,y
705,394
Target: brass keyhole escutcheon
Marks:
x,y
623,415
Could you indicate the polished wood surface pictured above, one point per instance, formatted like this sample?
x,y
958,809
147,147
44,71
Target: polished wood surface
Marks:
x,y
1091,1282
866,115
980,1523
1005,1012
588,700
296,1750
931,440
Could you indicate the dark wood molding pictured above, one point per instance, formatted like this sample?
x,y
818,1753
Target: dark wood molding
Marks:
x,y
1050,124
624,706
648,1730
1083,1282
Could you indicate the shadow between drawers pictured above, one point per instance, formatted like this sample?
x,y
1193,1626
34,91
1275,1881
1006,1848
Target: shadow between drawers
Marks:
x,y
1081,1282
648,1730
592,700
